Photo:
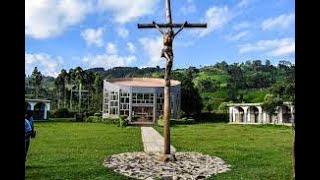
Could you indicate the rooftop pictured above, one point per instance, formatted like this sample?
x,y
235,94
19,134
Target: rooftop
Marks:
x,y
141,82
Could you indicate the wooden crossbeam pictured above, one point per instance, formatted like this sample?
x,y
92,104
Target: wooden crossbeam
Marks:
x,y
166,25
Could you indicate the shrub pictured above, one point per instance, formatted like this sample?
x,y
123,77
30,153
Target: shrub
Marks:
x,y
72,114
79,117
61,113
111,120
182,121
160,121
93,119
98,114
123,121
212,117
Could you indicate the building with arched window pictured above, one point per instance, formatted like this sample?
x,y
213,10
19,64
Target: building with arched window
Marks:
x,y
140,99
254,113
39,107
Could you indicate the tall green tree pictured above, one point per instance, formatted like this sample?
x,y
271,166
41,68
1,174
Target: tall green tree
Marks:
x,y
236,82
191,102
98,86
36,80
63,80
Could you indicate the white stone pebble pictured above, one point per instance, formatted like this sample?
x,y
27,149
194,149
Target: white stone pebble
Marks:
x,y
189,166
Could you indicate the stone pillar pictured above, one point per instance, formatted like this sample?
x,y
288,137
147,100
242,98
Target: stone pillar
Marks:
x,y
45,112
234,115
260,120
280,115
154,107
292,112
245,113
264,120
230,114
130,105
32,104
248,115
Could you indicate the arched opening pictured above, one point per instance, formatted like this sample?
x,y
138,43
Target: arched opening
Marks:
x,y
39,110
240,114
254,114
27,106
286,114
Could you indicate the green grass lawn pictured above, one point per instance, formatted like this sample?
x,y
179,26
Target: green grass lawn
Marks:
x,y
254,151
66,150
70,150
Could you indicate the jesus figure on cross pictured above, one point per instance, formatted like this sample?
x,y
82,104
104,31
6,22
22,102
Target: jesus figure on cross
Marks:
x,y
167,52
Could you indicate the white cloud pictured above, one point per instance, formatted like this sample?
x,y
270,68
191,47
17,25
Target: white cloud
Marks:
x,y
111,48
107,60
216,17
153,46
237,36
127,10
244,3
131,47
93,36
281,22
242,25
188,7
49,18
47,65
122,32
276,47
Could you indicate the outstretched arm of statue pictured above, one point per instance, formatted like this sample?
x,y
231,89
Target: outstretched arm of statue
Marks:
x,y
180,28
156,25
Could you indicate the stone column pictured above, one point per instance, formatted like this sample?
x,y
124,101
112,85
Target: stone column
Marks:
x,y
264,120
154,107
260,120
32,104
130,105
248,115
234,115
245,113
230,114
280,114
292,112
45,112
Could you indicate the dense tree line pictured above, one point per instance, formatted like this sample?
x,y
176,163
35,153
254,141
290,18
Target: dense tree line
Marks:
x,y
208,88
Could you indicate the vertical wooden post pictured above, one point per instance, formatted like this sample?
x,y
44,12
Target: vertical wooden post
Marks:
x,y
166,114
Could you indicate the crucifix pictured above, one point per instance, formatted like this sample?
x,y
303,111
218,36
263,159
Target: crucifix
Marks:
x,y
167,53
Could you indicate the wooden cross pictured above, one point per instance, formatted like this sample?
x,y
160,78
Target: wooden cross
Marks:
x,y
167,53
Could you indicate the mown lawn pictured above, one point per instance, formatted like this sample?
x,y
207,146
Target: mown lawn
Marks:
x,y
254,151
70,150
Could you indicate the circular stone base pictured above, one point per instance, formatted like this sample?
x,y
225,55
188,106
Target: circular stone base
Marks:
x,y
189,165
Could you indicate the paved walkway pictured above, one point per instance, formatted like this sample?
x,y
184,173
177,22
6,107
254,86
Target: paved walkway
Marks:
x,y
153,141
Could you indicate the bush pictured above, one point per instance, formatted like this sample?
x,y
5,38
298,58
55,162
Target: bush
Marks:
x,y
111,120
212,117
160,121
98,114
79,117
93,119
123,121
61,113
72,114
182,121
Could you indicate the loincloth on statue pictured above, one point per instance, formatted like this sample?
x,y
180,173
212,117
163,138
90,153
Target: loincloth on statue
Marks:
x,y
168,50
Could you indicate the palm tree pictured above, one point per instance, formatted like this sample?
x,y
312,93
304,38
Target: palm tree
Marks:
x,y
59,87
79,76
64,75
36,80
